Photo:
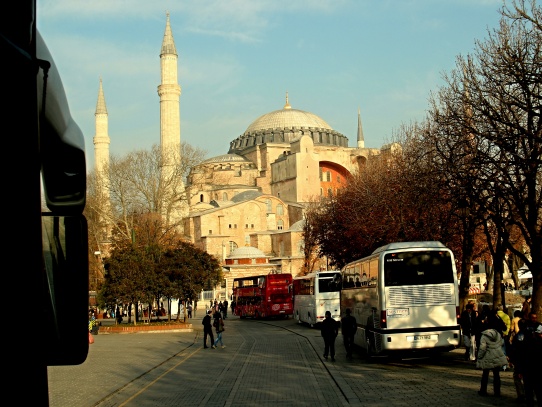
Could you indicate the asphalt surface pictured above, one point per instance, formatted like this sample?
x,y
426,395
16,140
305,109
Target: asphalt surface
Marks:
x,y
264,363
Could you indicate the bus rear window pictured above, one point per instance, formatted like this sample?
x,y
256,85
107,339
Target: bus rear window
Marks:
x,y
418,267
329,285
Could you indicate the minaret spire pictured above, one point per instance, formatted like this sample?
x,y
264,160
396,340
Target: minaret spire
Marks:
x,y
361,140
168,44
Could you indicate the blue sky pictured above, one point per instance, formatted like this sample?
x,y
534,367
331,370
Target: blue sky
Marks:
x,y
238,58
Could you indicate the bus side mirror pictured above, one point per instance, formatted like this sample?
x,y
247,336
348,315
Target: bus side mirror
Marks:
x,y
62,144
64,230
65,266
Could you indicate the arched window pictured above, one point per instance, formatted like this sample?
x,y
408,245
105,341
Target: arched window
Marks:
x,y
280,209
268,204
201,199
232,245
224,196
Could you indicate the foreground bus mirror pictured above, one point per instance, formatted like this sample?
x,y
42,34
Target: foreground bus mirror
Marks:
x,y
62,144
65,265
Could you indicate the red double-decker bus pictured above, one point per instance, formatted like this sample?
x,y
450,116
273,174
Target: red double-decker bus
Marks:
x,y
263,296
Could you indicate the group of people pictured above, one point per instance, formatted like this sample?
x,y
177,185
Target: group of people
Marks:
x,y
497,342
329,330
221,306
214,320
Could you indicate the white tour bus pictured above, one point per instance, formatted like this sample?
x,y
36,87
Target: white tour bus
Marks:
x,y
404,297
316,293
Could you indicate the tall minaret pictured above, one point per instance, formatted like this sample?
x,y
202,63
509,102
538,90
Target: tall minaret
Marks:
x,y
101,161
101,138
169,92
174,205
361,140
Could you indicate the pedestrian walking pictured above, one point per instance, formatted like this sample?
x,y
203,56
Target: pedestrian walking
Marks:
x,y
490,354
118,315
526,307
208,330
329,330
514,324
219,326
349,327
189,309
506,330
467,321
225,308
529,358
516,358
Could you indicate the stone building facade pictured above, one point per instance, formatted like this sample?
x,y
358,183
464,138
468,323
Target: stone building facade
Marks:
x,y
255,195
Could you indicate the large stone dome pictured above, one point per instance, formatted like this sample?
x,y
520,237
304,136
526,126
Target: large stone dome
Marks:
x,y
287,118
286,126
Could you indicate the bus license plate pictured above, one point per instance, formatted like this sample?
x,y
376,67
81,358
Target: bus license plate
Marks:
x,y
415,338
397,312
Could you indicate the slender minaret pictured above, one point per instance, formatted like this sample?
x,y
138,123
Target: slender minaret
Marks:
x,y
101,138
169,92
361,140
101,162
174,205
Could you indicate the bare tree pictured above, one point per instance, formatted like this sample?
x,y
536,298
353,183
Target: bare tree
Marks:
x,y
137,186
487,124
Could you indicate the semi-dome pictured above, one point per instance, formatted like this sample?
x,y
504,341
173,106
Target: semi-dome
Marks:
x,y
246,196
225,158
246,252
298,226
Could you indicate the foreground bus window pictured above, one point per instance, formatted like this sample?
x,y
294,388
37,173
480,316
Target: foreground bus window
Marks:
x,y
65,265
264,296
316,293
405,298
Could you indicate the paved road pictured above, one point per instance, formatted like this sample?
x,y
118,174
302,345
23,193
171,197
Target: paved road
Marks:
x,y
274,363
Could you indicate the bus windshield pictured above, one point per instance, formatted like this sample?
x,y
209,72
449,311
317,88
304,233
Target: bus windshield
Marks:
x,y
417,268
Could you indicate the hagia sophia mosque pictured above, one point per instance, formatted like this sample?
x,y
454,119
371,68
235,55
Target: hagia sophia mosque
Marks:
x,y
246,207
